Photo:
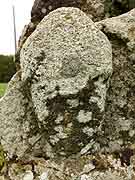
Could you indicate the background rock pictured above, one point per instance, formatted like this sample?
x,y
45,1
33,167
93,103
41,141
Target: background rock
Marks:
x,y
120,102
42,7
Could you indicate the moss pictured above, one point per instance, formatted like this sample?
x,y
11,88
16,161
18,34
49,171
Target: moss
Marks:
x,y
3,87
68,16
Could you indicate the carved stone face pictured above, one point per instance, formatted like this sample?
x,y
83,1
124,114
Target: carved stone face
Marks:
x,y
69,64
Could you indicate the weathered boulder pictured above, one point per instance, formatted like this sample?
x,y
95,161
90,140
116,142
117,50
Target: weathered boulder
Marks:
x,y
94,9
58,107
26,32
55,107
120,103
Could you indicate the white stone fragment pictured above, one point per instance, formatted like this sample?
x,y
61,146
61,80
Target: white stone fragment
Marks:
x,y
85,177
87,148
88,167
88,131
54,139
59,119
44,176
84,117
131,133
28,176
73,102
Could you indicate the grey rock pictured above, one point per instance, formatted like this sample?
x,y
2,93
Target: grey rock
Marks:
x,y
66,58
122,26
47,110
41,8
12,112
120,102
93,8
28,176
50,113
80,168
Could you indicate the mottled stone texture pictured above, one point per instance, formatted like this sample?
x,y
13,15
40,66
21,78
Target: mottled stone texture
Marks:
x,y
119,118
97,9
43,7
59,100
101,167
93,8
65,115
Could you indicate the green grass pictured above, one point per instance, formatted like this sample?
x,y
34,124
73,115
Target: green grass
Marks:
x,y
3,87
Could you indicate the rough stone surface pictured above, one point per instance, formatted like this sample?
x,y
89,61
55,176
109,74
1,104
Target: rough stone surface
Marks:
x,y
41,8
65,60
93,8
63,112
103,167
120,102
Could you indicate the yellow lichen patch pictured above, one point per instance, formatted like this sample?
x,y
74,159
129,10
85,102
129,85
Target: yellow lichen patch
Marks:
x,y
131,33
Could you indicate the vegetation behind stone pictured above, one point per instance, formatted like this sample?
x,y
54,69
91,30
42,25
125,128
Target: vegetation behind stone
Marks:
x,y
7,68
